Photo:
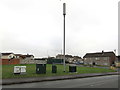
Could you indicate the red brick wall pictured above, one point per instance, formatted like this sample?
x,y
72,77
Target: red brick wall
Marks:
x,y
10,61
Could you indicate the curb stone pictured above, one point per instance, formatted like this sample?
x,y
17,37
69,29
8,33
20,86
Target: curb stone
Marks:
x,y
53,78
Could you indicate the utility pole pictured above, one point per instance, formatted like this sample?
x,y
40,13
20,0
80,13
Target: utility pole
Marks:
x,y
64,13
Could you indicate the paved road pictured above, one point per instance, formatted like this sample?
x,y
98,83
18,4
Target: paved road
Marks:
x,y
110,81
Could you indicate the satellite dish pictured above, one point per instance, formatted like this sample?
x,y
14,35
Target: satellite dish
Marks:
x,y
11,57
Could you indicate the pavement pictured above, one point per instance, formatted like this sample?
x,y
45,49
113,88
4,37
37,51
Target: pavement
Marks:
x,y
53,78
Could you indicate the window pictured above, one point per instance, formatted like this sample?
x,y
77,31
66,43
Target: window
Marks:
x,y
105,64
96,58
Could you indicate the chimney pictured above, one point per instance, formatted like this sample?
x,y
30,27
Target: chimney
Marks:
x,y
102,52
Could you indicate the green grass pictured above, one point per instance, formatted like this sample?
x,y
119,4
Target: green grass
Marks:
x,y
7,71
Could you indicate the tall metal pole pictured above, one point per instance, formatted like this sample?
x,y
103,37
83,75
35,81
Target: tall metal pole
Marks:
x,y
64,13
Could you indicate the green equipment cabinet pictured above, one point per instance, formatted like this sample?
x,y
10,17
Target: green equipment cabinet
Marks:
x,y
54,69
72,68
40,66
56,61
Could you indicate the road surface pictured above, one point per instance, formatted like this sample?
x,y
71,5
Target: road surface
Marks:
x,y
110,81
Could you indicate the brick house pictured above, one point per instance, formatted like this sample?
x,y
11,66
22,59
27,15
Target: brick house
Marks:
x,y
8,58
100,58
11,58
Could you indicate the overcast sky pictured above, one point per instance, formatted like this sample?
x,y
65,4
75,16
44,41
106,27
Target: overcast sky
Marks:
x,y
36,26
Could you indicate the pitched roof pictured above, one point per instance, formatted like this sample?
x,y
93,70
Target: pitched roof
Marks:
x,y
39,59
99,54
6,53
77,57
23,56
70,56
20,55
28,55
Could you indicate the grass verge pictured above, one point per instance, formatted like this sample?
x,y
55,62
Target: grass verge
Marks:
x,y
7,71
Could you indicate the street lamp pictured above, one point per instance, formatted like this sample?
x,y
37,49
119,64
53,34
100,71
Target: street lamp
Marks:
x,y
64,13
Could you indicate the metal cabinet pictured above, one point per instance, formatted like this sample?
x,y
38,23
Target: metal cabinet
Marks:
x,y
40,68
54,69
72,69
19,69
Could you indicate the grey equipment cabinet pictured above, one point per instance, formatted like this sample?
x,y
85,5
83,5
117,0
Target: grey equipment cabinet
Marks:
x,y
72,68
54,69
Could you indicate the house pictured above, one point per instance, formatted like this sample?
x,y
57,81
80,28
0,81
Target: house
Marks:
x,y
26,59
118,58
68,58
8,58
59,56
100,58
117,62
77,59
11,58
